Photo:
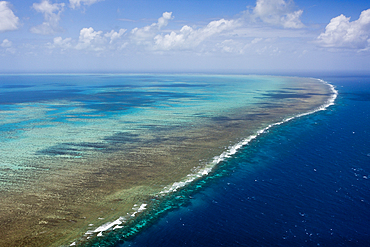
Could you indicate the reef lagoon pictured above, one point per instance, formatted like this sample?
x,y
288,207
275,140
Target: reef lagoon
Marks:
x,y
94,159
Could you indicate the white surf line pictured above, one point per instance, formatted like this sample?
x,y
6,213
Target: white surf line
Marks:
x,y
117,224
208,168
233,149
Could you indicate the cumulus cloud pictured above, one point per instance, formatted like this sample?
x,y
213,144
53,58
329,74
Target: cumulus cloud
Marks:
x,y
8,21
163,21
342,33
278,13
90,39
61,43
77,3
113,36
145,34
230,46
51,15
6,43
188,37
8,47
185,38
272,12
228,36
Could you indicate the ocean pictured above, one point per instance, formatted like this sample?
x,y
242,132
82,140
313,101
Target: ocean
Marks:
x,y
72,145
304,183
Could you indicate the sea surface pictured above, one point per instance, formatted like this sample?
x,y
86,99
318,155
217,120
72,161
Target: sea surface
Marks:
x,y
304,183
67,141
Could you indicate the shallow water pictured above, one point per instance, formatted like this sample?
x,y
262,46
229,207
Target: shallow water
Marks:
x,y
78,151
76,113
304,183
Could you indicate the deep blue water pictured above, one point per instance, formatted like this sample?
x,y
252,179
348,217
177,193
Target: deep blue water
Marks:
x,y
305,183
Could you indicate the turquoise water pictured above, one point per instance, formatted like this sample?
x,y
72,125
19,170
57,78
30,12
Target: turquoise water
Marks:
x,y
304,183
55,129
44,114
79,116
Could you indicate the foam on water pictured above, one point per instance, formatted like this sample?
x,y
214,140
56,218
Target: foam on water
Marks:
x,y
117,224
204,170
66,125
233,149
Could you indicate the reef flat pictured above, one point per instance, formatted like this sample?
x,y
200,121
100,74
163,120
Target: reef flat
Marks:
x,y
79,152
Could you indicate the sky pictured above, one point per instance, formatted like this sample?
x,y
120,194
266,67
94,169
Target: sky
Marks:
x,y
184,36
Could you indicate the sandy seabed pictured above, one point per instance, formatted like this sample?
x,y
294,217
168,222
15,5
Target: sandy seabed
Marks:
x,y
57,206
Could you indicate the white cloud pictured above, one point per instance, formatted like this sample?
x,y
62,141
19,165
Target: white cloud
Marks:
x,y
185,38
256,40
188,37
342,33
51,15
163,21
8,46
61,43
278,13
145,34
112,35
230,46
77,3
8,21
90,39
250,46
228,36
6,43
